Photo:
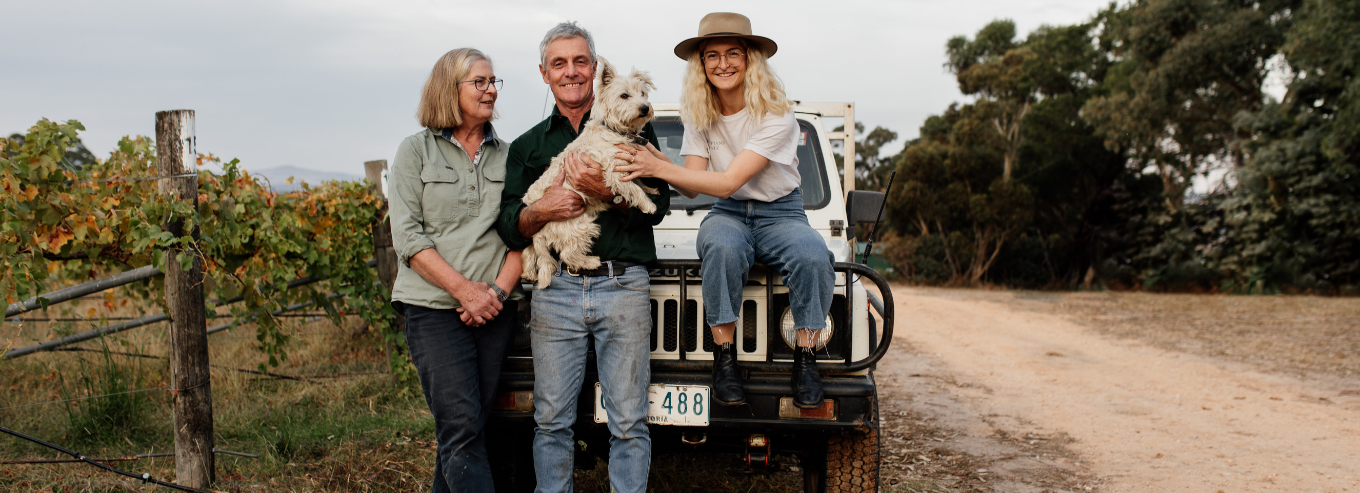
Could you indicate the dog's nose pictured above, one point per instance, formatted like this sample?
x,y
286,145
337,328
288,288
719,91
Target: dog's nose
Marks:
x,y
645,109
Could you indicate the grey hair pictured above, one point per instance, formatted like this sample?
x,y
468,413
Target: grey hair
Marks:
x,y
565,30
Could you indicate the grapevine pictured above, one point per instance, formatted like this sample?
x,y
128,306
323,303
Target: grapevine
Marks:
x,y
65,223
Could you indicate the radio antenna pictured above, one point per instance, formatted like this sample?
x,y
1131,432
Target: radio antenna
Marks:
x,y
869,247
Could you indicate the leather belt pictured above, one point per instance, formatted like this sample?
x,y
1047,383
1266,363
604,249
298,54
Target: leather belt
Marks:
x,y
603,271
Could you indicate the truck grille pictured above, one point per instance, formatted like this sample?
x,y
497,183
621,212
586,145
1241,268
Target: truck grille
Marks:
x,y
670,335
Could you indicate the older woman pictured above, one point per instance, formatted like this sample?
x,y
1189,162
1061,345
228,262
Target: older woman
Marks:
x,y
740,145
455,276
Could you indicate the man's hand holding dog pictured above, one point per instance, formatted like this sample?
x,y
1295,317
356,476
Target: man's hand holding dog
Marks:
x,y
557,204
586,176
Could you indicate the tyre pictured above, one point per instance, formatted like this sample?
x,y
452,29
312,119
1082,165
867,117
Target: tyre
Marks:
x,y
852,458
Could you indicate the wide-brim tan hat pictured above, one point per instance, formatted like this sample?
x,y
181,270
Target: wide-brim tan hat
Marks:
x,y
725,25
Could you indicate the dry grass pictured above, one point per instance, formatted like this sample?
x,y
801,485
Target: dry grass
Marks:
x,y
347,427
1304,335
1299,335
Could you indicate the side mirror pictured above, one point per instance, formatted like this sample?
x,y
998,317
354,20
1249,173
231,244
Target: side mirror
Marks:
x,y
863,206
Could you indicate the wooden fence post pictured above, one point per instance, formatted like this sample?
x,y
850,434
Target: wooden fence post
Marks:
x,y
383,251
189,374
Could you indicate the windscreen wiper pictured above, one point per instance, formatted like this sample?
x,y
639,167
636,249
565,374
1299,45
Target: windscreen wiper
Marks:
x,y
690,210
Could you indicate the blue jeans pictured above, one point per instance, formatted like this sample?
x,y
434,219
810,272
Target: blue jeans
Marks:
x,y
617,312
737,233
459,368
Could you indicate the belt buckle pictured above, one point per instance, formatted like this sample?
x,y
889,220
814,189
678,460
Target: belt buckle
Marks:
x,y
571,272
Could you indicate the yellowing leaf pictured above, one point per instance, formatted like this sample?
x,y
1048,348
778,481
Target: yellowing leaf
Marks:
x,y
289,180
91,313
59,237
31,192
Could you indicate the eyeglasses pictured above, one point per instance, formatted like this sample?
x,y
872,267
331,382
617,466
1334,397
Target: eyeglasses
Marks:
x,y
481,84
733,57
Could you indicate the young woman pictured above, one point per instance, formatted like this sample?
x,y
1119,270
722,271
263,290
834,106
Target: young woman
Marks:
x,y
740,145
456,280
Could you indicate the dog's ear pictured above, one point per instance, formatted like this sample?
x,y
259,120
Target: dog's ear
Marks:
x,y
644,77
607,72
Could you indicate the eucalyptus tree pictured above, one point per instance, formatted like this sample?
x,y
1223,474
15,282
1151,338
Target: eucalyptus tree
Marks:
x,y
1294,219
1185,69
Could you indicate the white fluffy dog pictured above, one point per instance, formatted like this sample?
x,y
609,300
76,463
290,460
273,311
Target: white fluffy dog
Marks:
x,y
620,111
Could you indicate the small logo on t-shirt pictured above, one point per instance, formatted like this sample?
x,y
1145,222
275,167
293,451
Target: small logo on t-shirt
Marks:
x,y
714,144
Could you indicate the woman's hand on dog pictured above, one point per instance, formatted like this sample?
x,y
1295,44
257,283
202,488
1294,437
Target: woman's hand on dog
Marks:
x,y
642,163
586,176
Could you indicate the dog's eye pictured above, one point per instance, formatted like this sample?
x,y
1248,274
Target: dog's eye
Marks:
x,y
625,96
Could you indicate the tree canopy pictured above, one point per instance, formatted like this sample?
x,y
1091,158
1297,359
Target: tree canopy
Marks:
x,y
1141,149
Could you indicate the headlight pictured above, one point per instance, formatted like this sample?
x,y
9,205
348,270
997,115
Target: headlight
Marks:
x,y
790,335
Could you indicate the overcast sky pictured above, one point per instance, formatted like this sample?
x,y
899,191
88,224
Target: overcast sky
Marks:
x,y
327,85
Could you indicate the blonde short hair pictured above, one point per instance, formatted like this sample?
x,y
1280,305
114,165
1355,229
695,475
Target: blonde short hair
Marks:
x,y
699,105
439,99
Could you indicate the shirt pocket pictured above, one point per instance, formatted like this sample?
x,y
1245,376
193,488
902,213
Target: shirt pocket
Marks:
x,y
442,199
493,184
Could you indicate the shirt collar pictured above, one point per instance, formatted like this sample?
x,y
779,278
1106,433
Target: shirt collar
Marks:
x,y
487,129
557,118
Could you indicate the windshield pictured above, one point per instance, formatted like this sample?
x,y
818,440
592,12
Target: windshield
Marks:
x,y
670,133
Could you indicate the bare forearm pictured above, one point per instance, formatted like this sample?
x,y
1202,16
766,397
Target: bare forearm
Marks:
x,y
511,271
530,221
689,194
434,269
695,182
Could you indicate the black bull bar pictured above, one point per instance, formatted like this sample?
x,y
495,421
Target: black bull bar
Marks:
x,y
826,366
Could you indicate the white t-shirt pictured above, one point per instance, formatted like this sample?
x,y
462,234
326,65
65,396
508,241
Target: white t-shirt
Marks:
x,y
776,139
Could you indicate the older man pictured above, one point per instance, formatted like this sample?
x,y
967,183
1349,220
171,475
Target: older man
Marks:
x,y
610,303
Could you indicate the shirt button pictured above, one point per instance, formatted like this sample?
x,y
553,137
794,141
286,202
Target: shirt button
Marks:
x,y
473,187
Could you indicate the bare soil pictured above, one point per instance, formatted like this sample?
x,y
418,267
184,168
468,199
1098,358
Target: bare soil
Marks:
x,y
1120,392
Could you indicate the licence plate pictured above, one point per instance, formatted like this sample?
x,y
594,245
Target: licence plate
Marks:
x,y
676,405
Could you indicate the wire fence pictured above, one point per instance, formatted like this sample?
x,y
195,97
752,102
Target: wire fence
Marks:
x,y
13,314
143,477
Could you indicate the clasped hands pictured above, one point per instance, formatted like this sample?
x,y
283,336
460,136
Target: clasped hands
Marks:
x,y
479,303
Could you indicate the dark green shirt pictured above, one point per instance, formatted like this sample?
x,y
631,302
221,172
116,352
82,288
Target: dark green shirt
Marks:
x,y
623,236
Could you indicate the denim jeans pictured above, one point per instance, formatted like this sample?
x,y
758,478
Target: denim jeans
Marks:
x,y
617,312
459,368
737,233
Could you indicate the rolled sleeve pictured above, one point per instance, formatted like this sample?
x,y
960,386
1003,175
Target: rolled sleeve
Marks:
x,y
518,177
405,208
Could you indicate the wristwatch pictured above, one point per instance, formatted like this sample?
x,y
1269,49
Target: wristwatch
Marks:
x,y
618,199
501,295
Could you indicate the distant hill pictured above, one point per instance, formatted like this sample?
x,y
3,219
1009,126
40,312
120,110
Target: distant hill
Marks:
x,y
277,177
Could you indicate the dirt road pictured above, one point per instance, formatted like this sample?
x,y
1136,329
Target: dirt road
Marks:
x,y
1036,402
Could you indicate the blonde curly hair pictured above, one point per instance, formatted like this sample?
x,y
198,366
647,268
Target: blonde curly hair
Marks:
x,y
699,105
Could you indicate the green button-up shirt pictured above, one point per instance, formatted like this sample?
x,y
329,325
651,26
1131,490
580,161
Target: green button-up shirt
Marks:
x,y
623,236
440,199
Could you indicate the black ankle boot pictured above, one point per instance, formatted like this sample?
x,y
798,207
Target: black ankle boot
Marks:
x,y
727,377
807,384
